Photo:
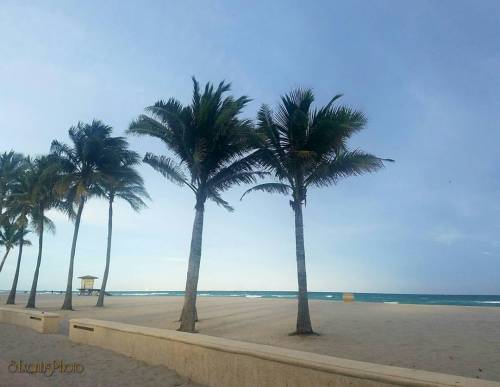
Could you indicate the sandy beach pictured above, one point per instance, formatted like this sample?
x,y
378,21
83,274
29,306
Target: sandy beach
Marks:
x,y
448,339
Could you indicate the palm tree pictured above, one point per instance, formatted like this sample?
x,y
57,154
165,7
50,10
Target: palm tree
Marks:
x,y
210,142
32,198
81,167
10,236
121,181
22,242
10,165
305,147
20,210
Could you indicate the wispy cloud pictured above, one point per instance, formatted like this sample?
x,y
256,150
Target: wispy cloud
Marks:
x,y
451,235
447,236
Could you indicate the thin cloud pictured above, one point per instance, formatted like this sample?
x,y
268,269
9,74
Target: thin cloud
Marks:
x,y
447,236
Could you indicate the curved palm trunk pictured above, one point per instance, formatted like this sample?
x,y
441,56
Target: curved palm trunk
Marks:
x,y
4,258
12,295
32,296
68,298
303,317
100,300
189,315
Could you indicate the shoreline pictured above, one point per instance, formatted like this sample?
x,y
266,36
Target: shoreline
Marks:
x,y
489,301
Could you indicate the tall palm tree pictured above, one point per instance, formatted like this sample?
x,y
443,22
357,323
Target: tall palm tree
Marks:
x,y
32,198
81,168
305,147
22,242
121,181
210,143
21,210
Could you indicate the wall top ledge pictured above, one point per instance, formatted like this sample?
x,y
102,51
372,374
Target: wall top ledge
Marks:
x,y
31,312
351,368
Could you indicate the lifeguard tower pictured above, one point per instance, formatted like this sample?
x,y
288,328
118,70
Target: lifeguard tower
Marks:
x,y
87,286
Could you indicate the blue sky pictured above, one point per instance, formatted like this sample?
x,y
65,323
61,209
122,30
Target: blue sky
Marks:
x,y
424,72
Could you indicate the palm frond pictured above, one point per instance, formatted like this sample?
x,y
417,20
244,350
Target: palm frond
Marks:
x,y
275,188
215,197
237,172
351,163
238,178
134,199
167,167
148,126
62,150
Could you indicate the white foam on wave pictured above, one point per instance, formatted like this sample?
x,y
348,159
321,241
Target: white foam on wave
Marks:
x,y
142,294
252,296
391,302
134,294
487,302
329,296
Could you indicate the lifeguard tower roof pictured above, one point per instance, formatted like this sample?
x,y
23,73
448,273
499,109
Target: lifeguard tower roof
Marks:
x,y
88,277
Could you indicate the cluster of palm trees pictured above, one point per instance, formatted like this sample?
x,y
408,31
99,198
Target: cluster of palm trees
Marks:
x,y
94,165
211,149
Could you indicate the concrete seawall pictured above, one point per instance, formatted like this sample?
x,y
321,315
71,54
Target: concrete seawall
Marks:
x,y
219,362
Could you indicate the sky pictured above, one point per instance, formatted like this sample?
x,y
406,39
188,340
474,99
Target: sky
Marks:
x,y
426,74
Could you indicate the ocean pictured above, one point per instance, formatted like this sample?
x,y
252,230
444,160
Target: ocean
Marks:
x,y
387,298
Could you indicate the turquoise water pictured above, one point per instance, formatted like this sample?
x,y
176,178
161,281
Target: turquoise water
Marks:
x,y
426,299
387,298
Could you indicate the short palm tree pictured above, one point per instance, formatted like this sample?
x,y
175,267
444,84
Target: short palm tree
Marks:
x,y
211,145
121,181
11,165
31,199
304,147
11,235
11,299
81,175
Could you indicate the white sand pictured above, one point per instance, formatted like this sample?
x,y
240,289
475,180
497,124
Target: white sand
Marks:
x,y
449,339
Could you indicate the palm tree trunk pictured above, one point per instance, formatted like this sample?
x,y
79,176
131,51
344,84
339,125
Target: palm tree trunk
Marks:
x,y
12,295
189,315
68,298
303,317
31,299
195,314
100,300
4,258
